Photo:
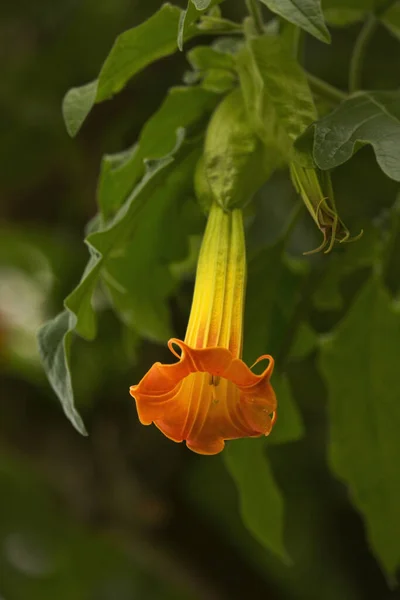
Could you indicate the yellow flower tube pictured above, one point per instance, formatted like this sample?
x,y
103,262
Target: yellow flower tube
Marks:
x,y
210,395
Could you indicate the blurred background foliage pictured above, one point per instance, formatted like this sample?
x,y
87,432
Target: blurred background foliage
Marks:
x,y
125,513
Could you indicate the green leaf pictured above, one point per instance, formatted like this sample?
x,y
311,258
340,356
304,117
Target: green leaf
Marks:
x,y
203,4
236,164
194,10
278,99
391,18
202,58
365,118
183,107
273,290
304,343
79,301
138,276
214,67
54,340
261,503
163,183
306,14
289,425
345,12
133,51
77,104
360,365
365,253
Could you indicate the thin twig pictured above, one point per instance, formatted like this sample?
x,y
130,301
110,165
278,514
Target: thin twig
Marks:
x,y
325,89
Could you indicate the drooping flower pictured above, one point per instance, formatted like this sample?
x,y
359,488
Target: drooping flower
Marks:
x,y
210,395
315,188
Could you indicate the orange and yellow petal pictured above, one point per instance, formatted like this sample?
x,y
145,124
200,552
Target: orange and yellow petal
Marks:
x,y
207,397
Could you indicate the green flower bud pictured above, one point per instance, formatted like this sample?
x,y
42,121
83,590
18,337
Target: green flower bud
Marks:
x,y
315,188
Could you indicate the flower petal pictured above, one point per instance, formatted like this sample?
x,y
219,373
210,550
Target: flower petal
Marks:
x,y
207,397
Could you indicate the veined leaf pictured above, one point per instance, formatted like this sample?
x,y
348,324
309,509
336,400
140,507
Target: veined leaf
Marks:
x,y
306,14
54,340
162,177
279,101
365,118
137,275
236,163
360,365
133,51
261,503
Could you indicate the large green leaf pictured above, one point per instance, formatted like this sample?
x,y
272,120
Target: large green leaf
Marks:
x,y
289,425
360,365
138,275
306,14
266,319
365,118
54,340
261,503
183,107
163,178
133,51
236,163
273,291
279,101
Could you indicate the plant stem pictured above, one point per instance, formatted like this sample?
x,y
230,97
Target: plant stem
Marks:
x,y
325,89
360,47
255,12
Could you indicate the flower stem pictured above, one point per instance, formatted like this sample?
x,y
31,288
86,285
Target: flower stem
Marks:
x,y
255,12
325,89
360,47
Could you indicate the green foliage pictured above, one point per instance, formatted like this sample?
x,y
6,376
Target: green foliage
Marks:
x,y
278,99
163,184
46,554
195,8
247,108
260,499
183,107
54,340
366,118
306,14
344,12
216,69
391,18
235,161
132,52
364,413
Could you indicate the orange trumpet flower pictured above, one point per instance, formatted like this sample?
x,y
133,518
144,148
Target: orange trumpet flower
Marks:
x,y
210,395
